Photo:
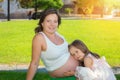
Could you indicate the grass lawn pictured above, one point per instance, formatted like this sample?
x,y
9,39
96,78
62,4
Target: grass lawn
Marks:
x,y
101,36
13,75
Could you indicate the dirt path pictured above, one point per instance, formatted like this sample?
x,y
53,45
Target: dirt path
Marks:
x,y
24,67
4,67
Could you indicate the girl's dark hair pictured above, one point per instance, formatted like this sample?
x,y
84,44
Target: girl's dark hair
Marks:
x,y
80,45
45,13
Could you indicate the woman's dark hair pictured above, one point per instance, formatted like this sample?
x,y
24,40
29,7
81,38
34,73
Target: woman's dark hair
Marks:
x,y
80,45
45,13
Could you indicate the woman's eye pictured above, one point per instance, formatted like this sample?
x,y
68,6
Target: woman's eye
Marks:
x,y
55,21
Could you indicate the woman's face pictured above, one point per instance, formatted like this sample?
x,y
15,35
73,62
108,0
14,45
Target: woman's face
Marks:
x,y
50,23
76,53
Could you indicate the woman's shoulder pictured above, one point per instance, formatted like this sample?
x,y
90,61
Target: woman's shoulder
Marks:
x,y
38,37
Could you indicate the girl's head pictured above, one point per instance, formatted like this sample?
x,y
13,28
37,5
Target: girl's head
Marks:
x,y
44,14
78,49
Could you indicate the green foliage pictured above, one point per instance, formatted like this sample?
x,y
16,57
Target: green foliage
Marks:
x,y
1,0
26,3
118,76
68,10
43,4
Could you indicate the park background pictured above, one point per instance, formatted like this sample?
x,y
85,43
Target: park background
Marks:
x,y
99,31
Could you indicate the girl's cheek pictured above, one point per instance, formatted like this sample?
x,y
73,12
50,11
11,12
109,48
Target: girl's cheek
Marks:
x,y
76,58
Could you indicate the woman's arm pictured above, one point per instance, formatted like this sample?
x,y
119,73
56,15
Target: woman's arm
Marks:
x,y
36,50
88,62
69,73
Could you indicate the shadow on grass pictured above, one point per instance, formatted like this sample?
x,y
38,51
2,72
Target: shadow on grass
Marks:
x,y
21,75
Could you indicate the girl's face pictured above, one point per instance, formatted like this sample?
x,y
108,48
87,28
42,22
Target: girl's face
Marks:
x,y
76,53
50,23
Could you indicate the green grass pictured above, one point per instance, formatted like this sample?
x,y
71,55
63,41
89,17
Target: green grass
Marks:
x,y
101,36
15,41
13,75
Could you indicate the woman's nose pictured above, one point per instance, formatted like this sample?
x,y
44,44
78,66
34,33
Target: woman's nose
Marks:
x,y
52,23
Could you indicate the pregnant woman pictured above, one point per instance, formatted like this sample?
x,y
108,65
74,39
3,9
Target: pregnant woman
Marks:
x,y
49,46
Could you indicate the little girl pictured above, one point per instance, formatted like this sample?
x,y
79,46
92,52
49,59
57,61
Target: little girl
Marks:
x,y
94,67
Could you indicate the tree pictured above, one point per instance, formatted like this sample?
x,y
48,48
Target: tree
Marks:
x,y
113,3
101,5
26,3
1,0
43,4
68,10
86,6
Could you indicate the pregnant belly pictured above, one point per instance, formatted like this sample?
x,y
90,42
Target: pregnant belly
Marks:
x,y
71,64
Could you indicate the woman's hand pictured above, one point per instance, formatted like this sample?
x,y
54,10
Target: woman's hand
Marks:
x,y
69,73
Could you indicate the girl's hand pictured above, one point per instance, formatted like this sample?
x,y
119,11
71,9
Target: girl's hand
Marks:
x,y
69,73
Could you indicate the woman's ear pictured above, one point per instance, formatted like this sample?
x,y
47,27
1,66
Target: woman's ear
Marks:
x,y
42,24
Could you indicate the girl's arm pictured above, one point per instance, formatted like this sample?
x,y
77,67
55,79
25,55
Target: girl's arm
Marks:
x,y
88,62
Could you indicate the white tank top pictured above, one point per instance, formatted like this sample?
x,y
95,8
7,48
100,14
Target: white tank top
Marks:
x,y
55,56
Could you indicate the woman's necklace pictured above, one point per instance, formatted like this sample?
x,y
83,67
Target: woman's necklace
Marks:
x,y
58,40
55,39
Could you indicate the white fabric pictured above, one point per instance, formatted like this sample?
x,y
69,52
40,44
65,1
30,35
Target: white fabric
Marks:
x,y
84,73
56,55
100,70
